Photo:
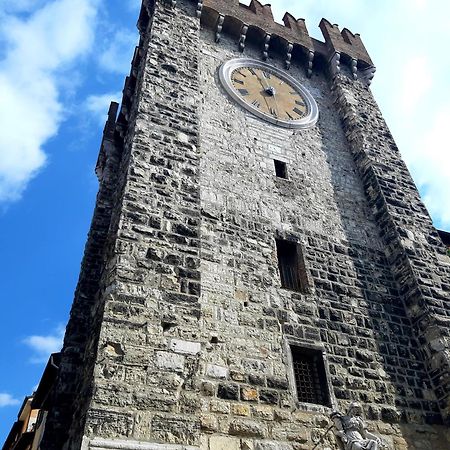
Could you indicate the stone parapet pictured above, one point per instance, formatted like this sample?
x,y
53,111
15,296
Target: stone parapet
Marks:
x,y
256,23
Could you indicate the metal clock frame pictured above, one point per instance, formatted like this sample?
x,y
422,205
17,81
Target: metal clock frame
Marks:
x,y
228,67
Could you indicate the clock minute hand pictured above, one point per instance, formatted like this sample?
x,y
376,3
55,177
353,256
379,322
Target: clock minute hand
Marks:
x,y
264,81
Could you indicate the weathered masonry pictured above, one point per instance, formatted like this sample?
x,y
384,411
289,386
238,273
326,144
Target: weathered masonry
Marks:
x,y
259,255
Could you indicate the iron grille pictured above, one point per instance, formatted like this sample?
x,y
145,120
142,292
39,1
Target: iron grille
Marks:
x,y
290,278
310,379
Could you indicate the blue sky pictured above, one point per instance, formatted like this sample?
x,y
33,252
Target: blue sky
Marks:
x,y
63,61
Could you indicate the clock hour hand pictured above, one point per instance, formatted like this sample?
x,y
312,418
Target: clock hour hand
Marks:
x,y
276,105
271,92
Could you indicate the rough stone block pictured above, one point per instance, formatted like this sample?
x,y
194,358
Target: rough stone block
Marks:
x,y
185,347
249,394
228,391
224,443
208,423
247,428
241,410
220,407
215,371
170,361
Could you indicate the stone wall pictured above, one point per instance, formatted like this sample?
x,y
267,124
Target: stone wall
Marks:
x,y
415,253
192,328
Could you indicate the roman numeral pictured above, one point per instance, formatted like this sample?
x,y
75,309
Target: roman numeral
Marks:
x,y
251,71
298,111
243,92
273,112
256,103
238,81
266,74
241,74
290,117
300,102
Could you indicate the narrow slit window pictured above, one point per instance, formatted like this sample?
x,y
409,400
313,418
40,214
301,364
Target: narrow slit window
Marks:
x,y
291,266
280,169
310,376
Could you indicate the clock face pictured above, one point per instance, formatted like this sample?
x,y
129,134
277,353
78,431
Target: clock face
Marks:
x,y
269,93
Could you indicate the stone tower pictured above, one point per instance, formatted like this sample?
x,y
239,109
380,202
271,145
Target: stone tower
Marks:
x,y
252,267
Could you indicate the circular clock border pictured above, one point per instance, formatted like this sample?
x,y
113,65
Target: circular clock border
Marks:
x,y
228,67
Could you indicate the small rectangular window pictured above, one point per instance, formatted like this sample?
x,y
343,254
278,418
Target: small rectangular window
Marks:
x,y
310,376
291,265
280,169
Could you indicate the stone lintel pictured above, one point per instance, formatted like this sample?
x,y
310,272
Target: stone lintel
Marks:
x,y
114,444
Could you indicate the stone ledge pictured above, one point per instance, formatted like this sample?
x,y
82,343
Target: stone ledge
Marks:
x,y
113,444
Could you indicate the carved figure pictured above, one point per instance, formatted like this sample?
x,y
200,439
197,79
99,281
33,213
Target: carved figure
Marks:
x,y
352,431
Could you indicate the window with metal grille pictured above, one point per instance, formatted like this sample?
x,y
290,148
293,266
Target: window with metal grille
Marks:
x,y
280,169
291,265
310,377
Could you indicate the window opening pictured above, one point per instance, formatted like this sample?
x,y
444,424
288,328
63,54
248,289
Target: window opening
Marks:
x,y
291,265
310,376
280,169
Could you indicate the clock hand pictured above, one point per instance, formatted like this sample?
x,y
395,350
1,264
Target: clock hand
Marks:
x,y
264,82
276,105
270,90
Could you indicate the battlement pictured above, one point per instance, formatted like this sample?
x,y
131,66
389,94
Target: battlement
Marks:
x,y
344,42
256,22
256,16
258,8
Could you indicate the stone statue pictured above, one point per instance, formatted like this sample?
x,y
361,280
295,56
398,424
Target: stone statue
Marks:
x,y
352,431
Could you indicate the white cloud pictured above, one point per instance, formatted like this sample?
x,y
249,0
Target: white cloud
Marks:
x,y
416,82
430,162
7,400
43,346
37,50
98,105
118,52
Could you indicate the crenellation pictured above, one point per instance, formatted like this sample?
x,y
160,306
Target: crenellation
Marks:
x,y
259,8
345,43
234,17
